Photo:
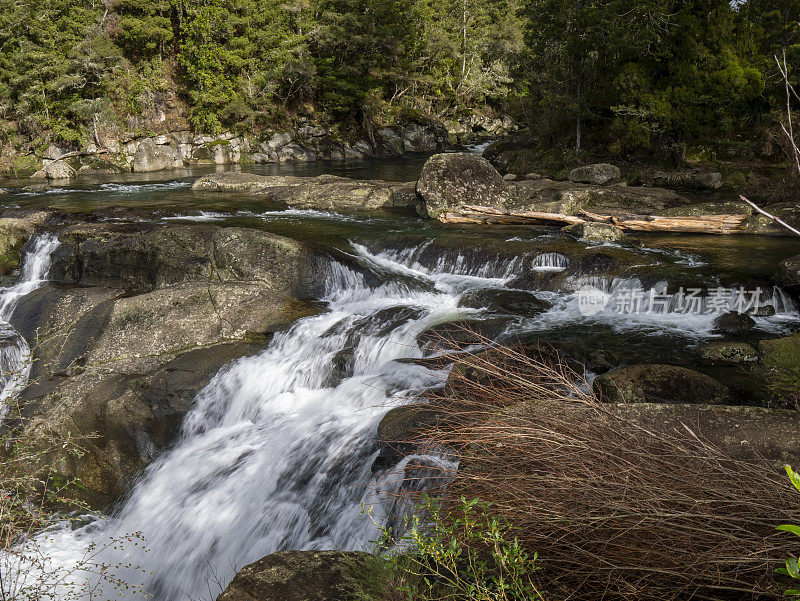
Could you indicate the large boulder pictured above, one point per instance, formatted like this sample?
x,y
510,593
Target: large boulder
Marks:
x,y
59,170
449,181
734,323
599,174
298,576
155,157
326,192
789,273
660,384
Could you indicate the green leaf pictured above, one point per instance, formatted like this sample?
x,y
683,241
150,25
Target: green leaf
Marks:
x,y
789,528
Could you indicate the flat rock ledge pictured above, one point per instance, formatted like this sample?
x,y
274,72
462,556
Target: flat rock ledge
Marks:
x,y
326,192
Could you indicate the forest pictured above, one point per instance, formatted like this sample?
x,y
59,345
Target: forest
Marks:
x,y
630,75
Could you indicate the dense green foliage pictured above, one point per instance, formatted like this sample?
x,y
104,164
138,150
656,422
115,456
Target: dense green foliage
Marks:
x,y
626,73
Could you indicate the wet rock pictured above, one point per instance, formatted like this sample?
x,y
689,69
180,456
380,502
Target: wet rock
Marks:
x,y
461,334
599,174
660,384
734,323
37,188
326,192
450,180
727,353
399,434
764,226
153,157
59,170
515,302
297,576
789,273
421,138
595,232
390,142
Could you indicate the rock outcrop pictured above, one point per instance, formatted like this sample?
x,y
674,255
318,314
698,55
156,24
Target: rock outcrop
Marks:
x,y
660,384
789,273
451,180
155,157
326,192
144,319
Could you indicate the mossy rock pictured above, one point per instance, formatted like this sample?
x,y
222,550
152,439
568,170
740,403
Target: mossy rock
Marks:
x,y
660,384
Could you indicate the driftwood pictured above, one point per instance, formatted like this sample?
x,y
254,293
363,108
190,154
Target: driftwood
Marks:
x,y
703,224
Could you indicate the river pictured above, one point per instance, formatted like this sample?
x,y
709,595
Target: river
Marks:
x,y
277,451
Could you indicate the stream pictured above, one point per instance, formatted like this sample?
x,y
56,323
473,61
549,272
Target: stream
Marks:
x,y
277,450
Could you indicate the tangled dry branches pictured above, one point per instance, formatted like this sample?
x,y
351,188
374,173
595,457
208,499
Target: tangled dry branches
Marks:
x,y
615,508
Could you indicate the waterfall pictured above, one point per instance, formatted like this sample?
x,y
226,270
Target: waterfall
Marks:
x,y
277,450
550,262
15,354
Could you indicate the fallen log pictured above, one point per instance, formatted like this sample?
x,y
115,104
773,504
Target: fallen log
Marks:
x,y
702,224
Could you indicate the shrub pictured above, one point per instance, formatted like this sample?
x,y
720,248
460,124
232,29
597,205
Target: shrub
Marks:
x,y
616,507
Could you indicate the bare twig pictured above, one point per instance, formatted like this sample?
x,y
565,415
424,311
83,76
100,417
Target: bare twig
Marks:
x,y
773,217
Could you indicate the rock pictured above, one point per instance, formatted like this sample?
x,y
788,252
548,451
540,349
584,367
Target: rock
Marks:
x,y
390,142
152,157
510,177
599,174
660,384
734,323
297,576
764,226
13,235
295,152
727,353
695,180
37,188
516,302
595,232
325,192
59,170
570,198
419,138
451,180
53,153
399,434
742,432
789,273
101,167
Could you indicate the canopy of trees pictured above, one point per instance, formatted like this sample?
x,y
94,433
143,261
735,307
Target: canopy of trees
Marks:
x,y
632,72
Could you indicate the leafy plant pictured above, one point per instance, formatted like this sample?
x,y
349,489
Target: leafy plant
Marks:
x,y
791,568
464,553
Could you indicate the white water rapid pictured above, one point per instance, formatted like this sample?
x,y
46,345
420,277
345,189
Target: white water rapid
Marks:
x,y
14,350
277,452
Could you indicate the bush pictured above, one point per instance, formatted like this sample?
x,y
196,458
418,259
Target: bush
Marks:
x,y
459,552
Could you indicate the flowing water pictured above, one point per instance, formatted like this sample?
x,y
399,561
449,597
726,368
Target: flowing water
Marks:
x,y
15,354
278,448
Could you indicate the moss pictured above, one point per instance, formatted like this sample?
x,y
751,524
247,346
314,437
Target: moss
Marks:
x,y
780,369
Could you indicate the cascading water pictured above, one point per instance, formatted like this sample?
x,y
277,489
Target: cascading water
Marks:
x,y
277,452
14,350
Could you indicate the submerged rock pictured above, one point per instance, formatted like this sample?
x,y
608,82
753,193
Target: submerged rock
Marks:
x,y
599,174
298,576
728,353
449,181
326,192
660,384
595,232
